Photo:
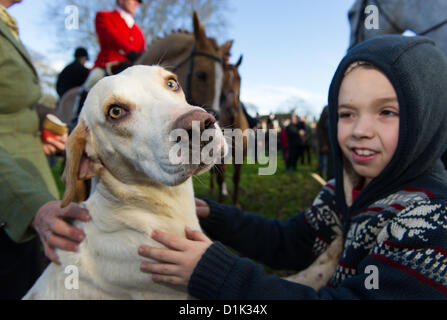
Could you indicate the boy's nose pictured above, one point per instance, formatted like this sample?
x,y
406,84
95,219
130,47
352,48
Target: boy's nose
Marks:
x,y
363,127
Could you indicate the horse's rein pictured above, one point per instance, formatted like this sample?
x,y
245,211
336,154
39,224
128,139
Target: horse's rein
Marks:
x,y
194,53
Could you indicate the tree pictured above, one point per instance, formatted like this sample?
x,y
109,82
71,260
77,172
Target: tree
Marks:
x,y
73,20
301,107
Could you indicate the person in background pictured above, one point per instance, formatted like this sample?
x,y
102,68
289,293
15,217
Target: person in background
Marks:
x,y
306,138
28,190
74,74
284,143
294,140
323,144
121,43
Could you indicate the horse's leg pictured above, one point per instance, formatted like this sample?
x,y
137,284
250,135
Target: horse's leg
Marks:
x,y
212,171
236,179
220,174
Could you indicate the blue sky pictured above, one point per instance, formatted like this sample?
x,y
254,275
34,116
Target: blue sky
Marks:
x,y
291,48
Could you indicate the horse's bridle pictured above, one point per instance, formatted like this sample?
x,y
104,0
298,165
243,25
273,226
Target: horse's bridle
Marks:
x,y
193,54
390,21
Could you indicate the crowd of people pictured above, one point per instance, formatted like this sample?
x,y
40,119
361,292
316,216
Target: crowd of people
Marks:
x,y
299,140
386,125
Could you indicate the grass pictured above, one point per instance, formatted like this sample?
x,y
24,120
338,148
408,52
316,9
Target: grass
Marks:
x,y
275,196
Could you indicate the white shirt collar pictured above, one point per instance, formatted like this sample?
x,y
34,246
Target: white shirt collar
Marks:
x,y
127,17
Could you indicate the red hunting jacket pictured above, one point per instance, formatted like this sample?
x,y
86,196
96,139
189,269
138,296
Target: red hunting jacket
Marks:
x,y
116,40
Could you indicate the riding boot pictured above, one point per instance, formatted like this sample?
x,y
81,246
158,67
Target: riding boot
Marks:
x,y
79,103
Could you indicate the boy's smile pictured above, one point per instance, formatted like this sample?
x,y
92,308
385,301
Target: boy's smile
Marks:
x,y
368,124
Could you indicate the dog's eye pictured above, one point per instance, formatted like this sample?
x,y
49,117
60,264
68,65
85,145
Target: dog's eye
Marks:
x,y
173,84
116,112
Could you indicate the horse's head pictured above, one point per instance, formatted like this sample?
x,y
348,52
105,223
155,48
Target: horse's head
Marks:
x,y
197,61
230,105
205,74
370,18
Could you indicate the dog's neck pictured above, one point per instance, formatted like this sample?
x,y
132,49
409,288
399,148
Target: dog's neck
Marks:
x,y
115,206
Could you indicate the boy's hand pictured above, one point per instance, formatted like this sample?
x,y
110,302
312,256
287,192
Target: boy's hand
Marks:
x,y
176,263
202,208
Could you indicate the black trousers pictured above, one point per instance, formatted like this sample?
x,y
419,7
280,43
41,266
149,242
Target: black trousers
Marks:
x,y
294,153
20,266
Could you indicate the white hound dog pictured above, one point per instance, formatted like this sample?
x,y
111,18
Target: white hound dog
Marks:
x,y
123,142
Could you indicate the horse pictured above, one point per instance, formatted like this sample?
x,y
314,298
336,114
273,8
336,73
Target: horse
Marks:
x,y
424,18
231,116
194,57
64,110
197,61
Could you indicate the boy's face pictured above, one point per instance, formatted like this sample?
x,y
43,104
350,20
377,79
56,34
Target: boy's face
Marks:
x,y
368,124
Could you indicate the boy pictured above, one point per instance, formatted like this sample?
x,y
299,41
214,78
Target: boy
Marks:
x,y
388,124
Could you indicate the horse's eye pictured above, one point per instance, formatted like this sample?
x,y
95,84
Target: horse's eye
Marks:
x,y
173,84
201,75
116,112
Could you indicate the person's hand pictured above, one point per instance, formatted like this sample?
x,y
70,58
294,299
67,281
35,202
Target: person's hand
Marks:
x,y
53,145
176,263
202,208
54,232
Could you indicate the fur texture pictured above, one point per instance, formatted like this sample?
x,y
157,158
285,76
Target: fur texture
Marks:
x,y
135,188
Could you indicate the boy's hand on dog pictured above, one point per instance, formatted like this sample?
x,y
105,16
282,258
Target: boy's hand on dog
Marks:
x,y
176,263
202,208
54,232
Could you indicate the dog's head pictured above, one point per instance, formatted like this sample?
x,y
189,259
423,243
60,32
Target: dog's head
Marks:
x,y
135,125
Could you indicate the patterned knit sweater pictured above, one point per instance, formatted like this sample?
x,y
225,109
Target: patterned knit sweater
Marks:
x,y
394,249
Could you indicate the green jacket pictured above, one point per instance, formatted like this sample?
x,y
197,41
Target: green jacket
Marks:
x,y
26,181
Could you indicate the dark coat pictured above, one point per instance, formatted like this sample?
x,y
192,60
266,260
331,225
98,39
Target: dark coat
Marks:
x,y
73,75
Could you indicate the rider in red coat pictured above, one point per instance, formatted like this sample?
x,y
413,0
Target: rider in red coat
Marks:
x,y
119,36
121,43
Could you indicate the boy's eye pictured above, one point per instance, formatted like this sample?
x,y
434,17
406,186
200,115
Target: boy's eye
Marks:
x,y
389,113
344,114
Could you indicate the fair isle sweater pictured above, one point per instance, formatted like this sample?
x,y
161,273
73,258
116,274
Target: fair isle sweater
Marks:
x,y
395,231
402,238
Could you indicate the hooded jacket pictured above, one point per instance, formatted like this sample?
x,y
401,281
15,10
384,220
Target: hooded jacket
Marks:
x,y
395,230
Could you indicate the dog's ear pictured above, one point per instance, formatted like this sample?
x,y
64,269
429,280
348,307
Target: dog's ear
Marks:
x,y
77,166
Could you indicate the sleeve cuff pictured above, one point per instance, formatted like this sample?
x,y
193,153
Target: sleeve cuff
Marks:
x,y
215,224
211,271
17,226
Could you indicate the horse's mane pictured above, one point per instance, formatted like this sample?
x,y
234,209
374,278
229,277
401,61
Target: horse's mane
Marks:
x,y
171,46
168,47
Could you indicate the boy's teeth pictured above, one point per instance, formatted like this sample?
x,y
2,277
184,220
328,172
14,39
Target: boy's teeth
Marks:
x,y
362,152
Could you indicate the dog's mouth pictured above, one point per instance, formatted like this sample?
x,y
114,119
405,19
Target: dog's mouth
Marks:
x,y
194,152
